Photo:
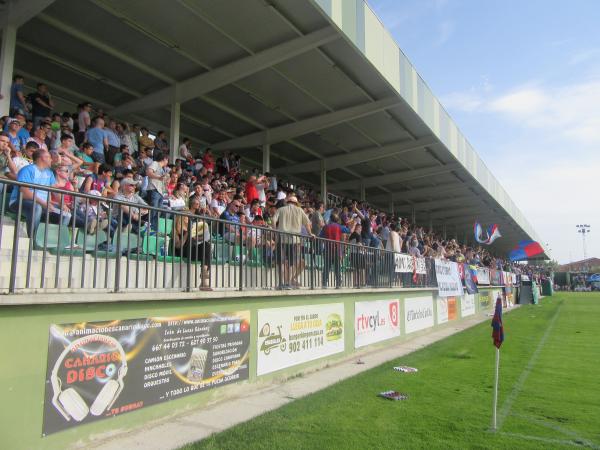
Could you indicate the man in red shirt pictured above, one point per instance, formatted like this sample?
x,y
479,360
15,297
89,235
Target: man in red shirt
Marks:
x,y
251,191
333,250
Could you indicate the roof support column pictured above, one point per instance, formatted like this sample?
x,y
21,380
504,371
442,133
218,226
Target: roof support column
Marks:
x,y
174,134
413,216
266,158
391,205
323,183
444,230
363,192
7,61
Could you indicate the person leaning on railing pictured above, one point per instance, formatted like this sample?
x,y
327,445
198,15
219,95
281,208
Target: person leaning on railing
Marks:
x,y
191,239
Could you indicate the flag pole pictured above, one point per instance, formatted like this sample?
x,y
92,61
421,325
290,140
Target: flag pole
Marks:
x,y
496,389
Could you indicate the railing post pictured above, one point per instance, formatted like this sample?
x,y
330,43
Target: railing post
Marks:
x,y
15,248
241,276
118,256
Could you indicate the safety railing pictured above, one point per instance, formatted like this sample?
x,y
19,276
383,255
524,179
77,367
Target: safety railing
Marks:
x,y
84,242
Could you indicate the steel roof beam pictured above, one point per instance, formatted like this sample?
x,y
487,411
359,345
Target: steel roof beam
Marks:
x,y
193,87
397,177
301,127
441,189
361,156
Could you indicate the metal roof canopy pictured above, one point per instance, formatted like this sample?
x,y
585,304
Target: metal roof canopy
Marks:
x,y
303,86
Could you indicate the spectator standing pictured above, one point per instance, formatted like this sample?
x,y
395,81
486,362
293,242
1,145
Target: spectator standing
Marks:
x,y
41,104
290,219
145,141
113,141
18,103
333,250
84,121
317,221
134,136
156,189
97,138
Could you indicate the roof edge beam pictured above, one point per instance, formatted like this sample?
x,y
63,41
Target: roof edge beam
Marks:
x,y
362,156
445,188
229,73
397,177
301,127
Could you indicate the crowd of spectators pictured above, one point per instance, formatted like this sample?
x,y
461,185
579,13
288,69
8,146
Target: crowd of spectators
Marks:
x,y
89,152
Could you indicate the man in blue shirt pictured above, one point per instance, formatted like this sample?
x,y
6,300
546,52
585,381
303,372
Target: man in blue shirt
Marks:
x,y
97,138
113,141
231,231
18,103
32,207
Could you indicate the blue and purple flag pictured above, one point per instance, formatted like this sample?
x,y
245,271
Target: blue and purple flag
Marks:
x,y
491,235
524,250
498,328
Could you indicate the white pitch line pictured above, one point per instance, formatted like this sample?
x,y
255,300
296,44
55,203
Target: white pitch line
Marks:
x,y
558,428
543,439
507,405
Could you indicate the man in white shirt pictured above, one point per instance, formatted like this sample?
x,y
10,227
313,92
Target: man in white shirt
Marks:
x,y
156,185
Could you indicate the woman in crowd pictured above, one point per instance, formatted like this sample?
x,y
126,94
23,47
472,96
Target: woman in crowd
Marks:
x,y
192,241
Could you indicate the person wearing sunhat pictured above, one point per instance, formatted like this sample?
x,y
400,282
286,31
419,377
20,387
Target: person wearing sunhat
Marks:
x,y
290,219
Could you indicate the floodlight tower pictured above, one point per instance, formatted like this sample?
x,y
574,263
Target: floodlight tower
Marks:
x,y
583,229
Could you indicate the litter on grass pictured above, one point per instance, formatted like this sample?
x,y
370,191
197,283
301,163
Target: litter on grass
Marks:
x,y
393,395
406,369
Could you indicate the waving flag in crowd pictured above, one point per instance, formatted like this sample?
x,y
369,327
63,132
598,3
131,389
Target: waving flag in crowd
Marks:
x,y
491,234
524,250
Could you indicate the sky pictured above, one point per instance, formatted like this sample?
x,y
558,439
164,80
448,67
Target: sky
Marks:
x,y
521,79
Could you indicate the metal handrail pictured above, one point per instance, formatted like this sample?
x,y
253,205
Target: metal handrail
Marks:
x,y
234,256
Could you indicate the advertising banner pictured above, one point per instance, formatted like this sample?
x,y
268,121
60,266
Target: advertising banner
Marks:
x,y
448,278
467,305
409,264
514,279
446,309
376,321
98,370
418,313
483,275
495,277
484,299
294,335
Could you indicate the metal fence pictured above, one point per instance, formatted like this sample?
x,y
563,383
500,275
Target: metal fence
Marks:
x,y
64,247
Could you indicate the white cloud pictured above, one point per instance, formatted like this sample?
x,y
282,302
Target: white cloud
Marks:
x,y
571,111
548,159
446,29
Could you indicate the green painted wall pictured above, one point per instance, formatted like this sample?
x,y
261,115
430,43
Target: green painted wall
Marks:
x,y
24,333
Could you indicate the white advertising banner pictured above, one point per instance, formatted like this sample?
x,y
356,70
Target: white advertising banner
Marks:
x,y
407,263
294,335
448,278
376,321
467,305
418,313
442,310
483,275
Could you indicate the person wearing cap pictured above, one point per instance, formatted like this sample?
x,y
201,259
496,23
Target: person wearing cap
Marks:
x,y
131,214
290,219
14,127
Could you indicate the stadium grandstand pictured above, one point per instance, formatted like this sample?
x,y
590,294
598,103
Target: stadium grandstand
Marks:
x,y
221,151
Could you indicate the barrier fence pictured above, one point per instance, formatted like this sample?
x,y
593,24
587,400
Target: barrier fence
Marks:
x,y
83,242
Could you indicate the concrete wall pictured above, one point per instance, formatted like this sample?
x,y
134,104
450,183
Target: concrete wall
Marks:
x,y
24,333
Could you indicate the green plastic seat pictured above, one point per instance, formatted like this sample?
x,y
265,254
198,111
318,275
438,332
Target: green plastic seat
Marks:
x,y
57,236
165,226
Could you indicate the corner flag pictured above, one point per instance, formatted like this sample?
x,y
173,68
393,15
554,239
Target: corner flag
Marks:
x,y
498,332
